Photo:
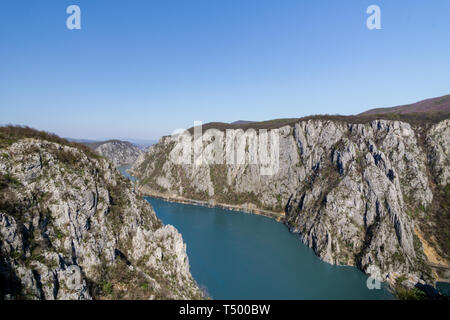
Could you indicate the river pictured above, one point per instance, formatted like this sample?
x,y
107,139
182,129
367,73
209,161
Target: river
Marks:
x,y
236,255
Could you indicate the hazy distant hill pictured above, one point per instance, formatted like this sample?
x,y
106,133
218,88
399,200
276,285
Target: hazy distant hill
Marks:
x,y
141,143
82,141
241,122
420,113
439,104
119,152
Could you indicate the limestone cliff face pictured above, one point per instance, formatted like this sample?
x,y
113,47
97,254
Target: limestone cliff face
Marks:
x,y
350,190
71,227
119,152
438,140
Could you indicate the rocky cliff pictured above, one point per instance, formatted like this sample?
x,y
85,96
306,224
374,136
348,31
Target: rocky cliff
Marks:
x,y
119,152
358,191
71,227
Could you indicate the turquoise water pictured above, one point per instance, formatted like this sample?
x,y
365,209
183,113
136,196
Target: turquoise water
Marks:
x,y
235,255
123,171
443,288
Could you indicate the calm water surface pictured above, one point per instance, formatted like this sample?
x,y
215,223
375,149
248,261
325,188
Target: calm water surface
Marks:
x,y
123,171
443,288
236,255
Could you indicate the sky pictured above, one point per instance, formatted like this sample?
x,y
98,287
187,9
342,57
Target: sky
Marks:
x,y
143,68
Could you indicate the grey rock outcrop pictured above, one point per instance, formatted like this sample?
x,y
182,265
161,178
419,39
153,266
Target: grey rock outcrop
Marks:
x,y
439,155
119,152
348,189
71,227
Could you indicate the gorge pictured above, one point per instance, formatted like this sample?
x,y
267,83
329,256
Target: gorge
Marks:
x,y
368,191
72,228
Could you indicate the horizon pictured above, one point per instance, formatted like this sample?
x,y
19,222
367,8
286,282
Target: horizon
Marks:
x,y
145,142
143,70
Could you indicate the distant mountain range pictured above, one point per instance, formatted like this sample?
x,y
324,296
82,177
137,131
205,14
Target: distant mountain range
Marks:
x,y
119,152
429,110
141,143
433,107
82,141
439,104
242,122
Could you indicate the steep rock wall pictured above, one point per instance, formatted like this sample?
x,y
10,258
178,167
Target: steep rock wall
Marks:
x,y
71,227
348,189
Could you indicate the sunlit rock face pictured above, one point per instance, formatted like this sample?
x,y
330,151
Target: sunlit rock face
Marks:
x,y
353,192
71,227
119,152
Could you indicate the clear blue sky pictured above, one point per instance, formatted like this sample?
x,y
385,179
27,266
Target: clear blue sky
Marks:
x,y
140,69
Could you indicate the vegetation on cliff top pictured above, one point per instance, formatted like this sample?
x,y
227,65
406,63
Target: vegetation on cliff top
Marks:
x,y
10,134
422,119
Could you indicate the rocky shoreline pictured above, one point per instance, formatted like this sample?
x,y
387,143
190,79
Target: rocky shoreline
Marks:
x,y
278,216
353,192
407,282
